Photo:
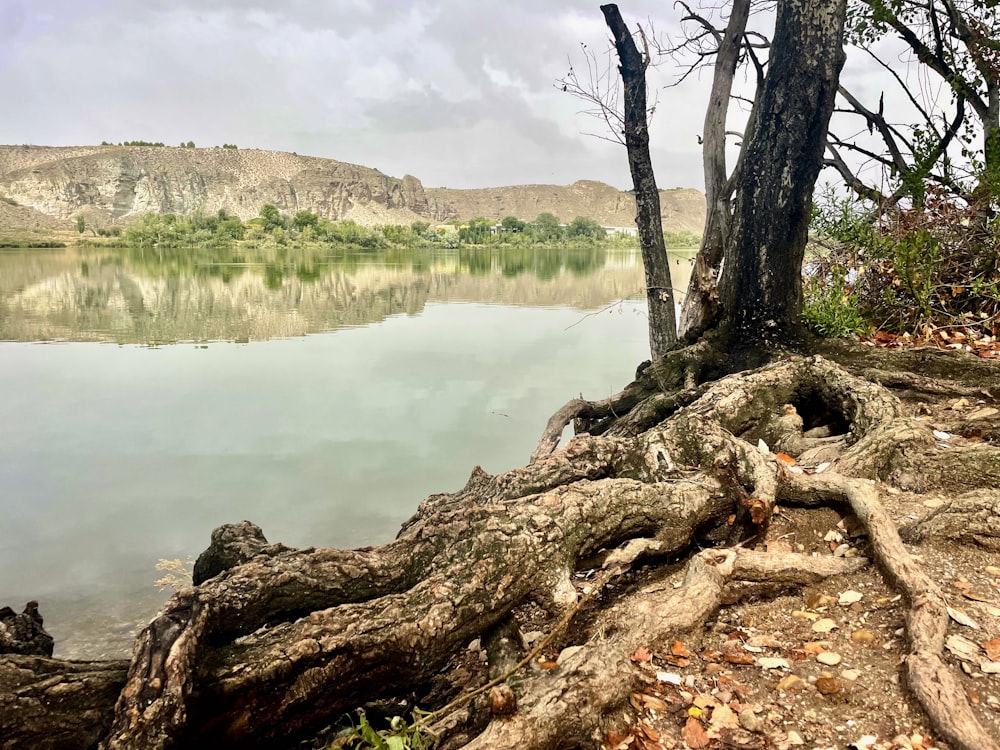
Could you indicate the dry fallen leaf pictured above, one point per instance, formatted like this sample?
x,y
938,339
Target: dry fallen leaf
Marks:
x,y
641,655
679,649
785,459
694,734
961,618
724,717
992,649
962,647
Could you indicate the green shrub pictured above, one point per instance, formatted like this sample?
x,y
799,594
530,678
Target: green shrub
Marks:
x,y
830,309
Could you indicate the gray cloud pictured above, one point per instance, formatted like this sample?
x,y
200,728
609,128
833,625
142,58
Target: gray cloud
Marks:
x,y
457,93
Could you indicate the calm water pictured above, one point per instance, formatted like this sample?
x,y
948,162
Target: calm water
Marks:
x,y
320,397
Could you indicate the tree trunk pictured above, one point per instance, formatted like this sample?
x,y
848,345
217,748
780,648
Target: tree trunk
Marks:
x,y
761,281
701,303
659,290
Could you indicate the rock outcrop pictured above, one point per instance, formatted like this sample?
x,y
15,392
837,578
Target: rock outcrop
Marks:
x,y
113,183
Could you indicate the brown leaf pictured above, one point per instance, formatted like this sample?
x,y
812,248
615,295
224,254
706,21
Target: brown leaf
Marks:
x,y
617,741
694,734
992,649
679,649
548,664
758,510
737,657
641,655
649,732
785,459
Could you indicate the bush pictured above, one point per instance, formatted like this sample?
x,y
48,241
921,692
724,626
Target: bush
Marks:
x,y
920,268
830,309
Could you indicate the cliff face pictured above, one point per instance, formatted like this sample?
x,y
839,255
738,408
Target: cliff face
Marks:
x,y
108,183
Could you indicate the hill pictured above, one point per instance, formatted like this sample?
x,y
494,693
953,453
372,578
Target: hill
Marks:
x,y
41,185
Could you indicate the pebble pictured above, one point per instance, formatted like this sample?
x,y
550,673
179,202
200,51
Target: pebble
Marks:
x,y
789,683
863,636
824,626
829,658
851,674
849,597
773,662
750,721
828,685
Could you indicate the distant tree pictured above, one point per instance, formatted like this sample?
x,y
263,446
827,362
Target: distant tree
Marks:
x,y
546,227
188,144
476,232
81,225
513,224
584,227
232,146
419,228
305,219
272,217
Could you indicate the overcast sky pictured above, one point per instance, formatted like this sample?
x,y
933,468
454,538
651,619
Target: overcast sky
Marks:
x,y
460,93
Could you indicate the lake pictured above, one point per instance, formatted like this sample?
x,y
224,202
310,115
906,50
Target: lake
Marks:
x,y
147,397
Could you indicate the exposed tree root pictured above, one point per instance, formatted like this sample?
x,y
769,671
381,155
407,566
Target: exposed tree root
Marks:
x,y
276,643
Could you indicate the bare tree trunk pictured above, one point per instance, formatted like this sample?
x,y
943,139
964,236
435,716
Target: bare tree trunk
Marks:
x,y
701,303
761,282
659,290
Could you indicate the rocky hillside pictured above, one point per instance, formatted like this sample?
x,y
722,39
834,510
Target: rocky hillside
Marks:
x,y
113,183
682,209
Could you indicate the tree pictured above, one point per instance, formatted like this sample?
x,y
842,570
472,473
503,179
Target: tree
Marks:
x,y
272,217
586,228
761,282
545,228
304,219
512,224
476,231
958,42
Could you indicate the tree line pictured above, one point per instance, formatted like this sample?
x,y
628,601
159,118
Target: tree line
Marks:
x,y
305,227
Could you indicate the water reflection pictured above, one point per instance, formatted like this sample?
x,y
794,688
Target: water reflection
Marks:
x,y
115,457
172,295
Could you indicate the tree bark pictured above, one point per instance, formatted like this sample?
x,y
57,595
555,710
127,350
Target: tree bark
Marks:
x,y
761,282
659,289
701,303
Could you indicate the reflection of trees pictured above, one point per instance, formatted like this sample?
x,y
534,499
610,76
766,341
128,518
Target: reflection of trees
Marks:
x,y
476,260
165,295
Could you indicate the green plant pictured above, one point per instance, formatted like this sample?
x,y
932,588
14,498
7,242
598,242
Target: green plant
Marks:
x,y
398,736
830,309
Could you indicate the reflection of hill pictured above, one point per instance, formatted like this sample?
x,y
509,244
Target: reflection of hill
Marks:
x,y
102,298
